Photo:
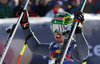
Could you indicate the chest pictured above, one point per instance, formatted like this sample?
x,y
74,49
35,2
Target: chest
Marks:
x,y
56,50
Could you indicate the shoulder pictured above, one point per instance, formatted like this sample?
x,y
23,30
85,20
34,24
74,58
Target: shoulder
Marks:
x,y
54,45
51,44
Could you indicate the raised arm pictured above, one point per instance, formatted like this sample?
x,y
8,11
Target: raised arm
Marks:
x,y
80,51
34,45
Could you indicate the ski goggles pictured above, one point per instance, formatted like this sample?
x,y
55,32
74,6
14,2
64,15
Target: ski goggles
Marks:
x,y
60,28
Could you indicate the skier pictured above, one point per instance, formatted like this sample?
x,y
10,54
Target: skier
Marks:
x,y
60,26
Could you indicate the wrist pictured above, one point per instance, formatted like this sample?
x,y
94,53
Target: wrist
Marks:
x,y
78,30
25,24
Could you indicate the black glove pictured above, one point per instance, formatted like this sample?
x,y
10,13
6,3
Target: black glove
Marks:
x,y
79,16
24,21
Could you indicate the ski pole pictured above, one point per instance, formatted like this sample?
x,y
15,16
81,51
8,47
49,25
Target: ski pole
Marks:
x,y
24,47
21,53
60,59
12,35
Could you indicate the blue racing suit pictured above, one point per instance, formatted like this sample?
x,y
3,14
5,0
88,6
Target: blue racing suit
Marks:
x,y
77,52
55,50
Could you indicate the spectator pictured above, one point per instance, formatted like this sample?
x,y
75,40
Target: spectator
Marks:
x,y
42,8
51,13
75,4
67,6
31,13
13,3
34,4
5,10
88,6
56,8
96,7
93,1
58,4
16,9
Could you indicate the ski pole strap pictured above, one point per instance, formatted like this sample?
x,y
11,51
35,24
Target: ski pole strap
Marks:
x,y
28,37
84,62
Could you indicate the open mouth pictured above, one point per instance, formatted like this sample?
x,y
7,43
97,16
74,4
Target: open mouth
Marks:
x,y
58,36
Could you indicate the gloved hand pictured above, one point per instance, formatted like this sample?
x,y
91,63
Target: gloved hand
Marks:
x,y
79,16
24,21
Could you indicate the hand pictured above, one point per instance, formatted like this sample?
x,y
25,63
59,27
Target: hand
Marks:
x,y
79,16
24,21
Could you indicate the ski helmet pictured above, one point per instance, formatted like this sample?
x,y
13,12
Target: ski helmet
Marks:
x,y
61,21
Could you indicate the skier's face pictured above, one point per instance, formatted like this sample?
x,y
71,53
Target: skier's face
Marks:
x,y
59,37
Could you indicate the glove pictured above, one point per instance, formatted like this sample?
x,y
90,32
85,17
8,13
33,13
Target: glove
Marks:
x,y
24,21
79,16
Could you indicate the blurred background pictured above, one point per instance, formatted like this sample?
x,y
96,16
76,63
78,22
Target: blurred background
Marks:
x,y
46,8
40,14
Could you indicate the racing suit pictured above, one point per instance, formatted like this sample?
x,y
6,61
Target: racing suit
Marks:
x,y
77,52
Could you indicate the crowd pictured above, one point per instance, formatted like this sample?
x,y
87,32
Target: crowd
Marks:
x,y
46,8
